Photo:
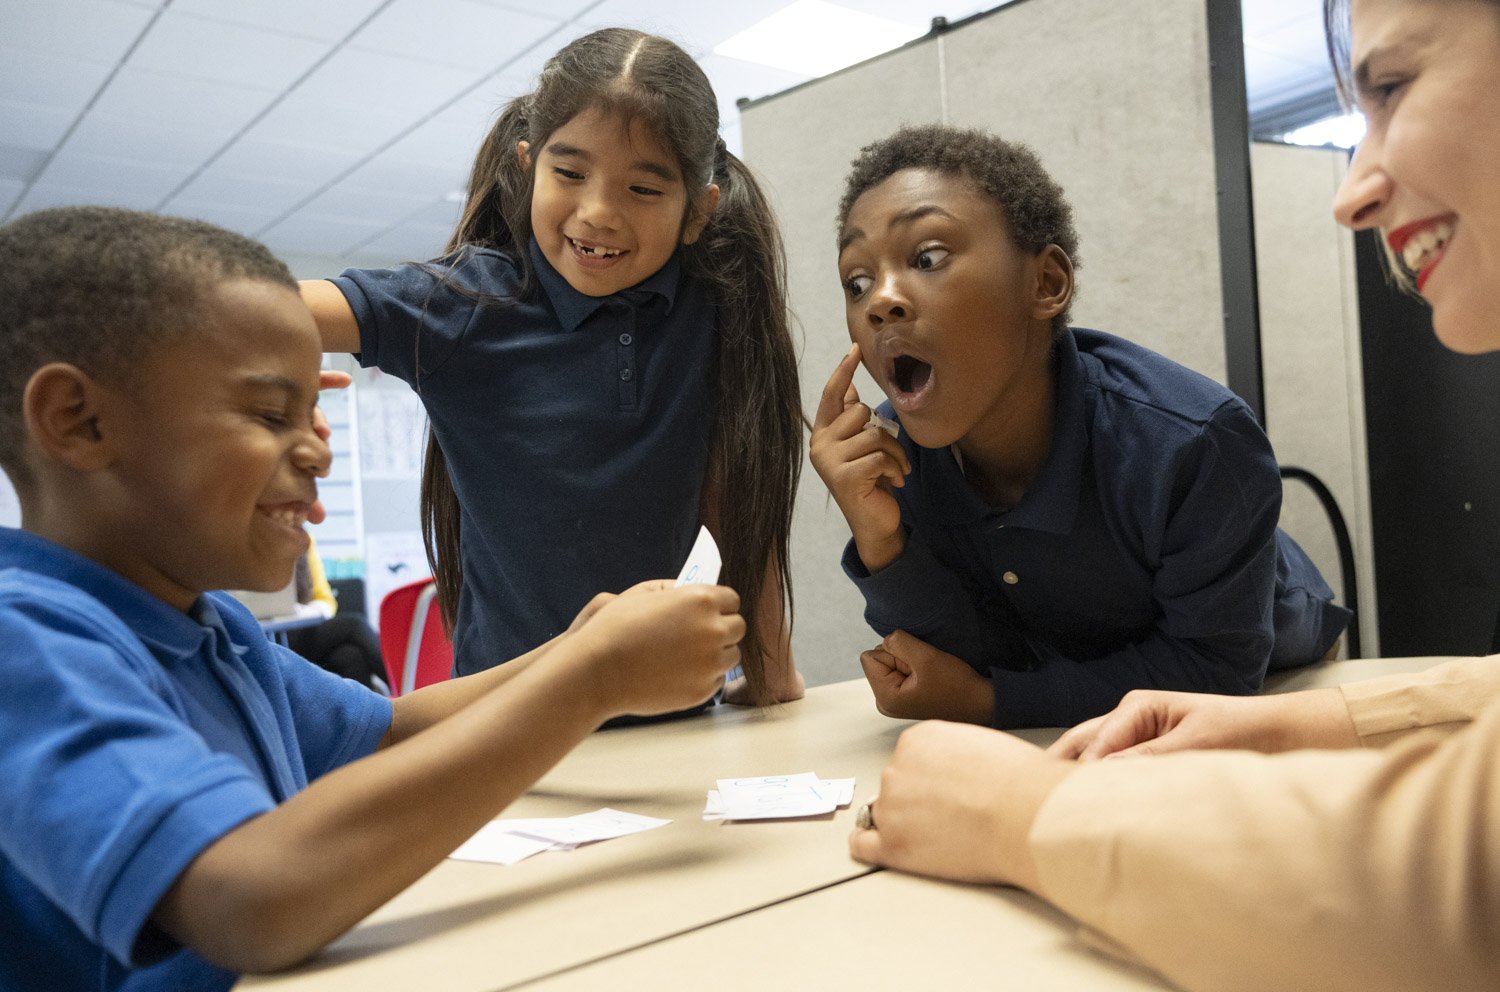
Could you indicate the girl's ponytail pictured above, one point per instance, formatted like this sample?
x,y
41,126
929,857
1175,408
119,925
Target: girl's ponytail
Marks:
x,y
756,452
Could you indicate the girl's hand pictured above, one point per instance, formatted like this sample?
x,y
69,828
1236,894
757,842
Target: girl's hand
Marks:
x,y
661,648
859,465
916,681
958,801
1154,722
598,602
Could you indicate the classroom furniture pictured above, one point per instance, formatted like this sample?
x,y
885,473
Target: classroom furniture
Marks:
x,y
415,647
276,628
736,905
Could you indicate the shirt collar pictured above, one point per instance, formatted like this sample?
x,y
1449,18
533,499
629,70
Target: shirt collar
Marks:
x,y
573,308
166,631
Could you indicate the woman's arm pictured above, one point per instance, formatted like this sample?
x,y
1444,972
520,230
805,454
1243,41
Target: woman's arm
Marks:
x,y
335,318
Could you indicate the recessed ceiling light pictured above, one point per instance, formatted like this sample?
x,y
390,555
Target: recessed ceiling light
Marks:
x,y
814,38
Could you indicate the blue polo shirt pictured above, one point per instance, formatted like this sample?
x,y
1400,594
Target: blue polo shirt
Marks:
x,y
1145,554
576,429
135,736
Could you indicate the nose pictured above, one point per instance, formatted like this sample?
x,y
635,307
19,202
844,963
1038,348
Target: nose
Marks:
x,y
312,453
1365,191
888,303
597,209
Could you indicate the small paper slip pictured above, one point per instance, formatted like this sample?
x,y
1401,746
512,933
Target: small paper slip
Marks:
x,y
508,841
881,423
703,562
777,797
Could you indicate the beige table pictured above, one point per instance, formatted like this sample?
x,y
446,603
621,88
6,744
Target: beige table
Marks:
x,y
887,931
468,926
757,905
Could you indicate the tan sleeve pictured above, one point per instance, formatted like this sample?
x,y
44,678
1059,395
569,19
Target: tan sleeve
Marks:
x,y
1447,697
1316,870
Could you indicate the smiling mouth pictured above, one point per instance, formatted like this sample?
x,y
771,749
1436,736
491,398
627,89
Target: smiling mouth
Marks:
x,y
292,515
594,251
1424,248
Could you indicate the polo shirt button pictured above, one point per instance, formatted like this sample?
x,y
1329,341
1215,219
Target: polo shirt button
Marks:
x,y
625,375
1011,578
626,340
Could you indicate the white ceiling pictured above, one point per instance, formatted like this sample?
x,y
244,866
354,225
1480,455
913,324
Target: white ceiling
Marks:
x,y
340,130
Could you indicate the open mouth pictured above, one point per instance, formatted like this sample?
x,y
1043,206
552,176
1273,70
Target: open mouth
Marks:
x,y
909,375
1421,248
290,515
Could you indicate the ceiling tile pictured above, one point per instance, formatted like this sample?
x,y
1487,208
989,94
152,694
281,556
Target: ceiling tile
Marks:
x,y
361,205
735,78
697,27
317,234
360,129
273,196
147,95
557,9
32,126
245,220
48,80
375,78
206,49
453,32
167,144
138,182
90,30
10,191
306,167
385,174
409,242
325,20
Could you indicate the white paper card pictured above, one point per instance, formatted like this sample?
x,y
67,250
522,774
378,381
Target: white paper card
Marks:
x,y
703,562
774,797
506,842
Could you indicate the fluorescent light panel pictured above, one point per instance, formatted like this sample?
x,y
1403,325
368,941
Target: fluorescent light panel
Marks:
x,y
1344,131
814,38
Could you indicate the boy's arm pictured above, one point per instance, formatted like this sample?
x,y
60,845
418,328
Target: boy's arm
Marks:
x,y
335,318
282,885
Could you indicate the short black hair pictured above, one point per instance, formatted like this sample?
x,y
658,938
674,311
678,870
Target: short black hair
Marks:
x,y
1035,209
104,288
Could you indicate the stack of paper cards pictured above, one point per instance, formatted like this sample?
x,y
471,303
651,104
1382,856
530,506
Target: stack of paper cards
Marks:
x,y
777,797
507,841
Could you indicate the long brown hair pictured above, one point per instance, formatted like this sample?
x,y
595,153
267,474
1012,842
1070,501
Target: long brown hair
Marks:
x,y
756,451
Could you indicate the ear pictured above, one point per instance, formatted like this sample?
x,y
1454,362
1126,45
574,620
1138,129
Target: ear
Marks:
x,y
1054,283
61,406
523,155
702,213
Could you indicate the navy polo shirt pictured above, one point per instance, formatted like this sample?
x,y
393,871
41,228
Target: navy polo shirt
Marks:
x,y
576,429
135,736
1145,554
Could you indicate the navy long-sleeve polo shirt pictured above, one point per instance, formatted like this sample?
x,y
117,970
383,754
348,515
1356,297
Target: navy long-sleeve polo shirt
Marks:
x,y
1145,554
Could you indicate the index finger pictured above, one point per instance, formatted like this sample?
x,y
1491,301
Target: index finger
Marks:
x,y
1071,744
331,379
839,391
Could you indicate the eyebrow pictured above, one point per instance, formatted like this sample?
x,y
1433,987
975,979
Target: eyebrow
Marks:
x,y
271,380
908,216
564,150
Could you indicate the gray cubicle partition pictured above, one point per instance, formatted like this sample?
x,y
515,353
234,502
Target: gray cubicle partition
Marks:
x,y
1116,96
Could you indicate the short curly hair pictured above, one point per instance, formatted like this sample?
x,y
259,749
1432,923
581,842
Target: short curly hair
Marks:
x,y
104,289
1035,209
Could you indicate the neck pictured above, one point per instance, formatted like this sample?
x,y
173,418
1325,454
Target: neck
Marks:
x,y
1003,454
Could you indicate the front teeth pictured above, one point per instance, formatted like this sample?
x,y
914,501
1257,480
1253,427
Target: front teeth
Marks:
x,y
598,251
289,518
1425,244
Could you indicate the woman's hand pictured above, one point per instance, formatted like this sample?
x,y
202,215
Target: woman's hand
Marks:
x,y
1154,722
957,802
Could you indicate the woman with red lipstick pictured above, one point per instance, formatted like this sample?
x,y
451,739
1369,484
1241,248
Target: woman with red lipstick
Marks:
x,y
1065,516
1361,849
605,359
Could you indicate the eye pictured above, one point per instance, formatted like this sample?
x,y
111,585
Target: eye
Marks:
x,y
568,174
929,258
645,191
275,419
855,286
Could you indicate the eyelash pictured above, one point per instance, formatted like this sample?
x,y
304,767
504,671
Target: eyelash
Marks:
x,y
576,177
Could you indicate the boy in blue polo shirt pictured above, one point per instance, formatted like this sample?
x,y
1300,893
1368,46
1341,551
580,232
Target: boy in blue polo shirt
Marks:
x,y
184,799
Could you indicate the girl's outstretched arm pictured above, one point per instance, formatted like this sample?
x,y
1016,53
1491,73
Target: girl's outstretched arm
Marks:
x,y
336,323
